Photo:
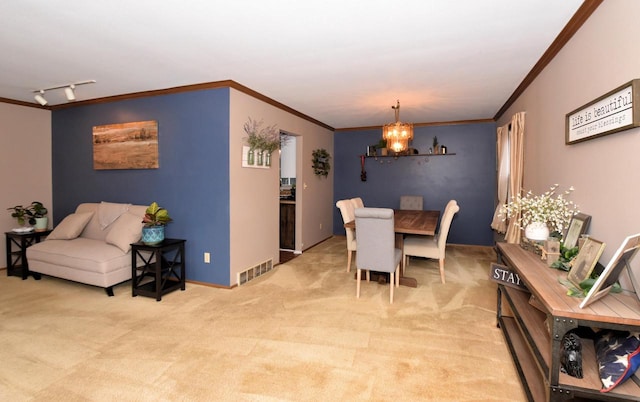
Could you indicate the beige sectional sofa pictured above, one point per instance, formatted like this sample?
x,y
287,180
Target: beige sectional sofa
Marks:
x,y
91,246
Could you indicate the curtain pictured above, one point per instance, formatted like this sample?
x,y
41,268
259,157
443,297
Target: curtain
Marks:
x,y
499,223
516,163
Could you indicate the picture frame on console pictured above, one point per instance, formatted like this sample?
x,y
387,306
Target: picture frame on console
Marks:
x,y
620,260
585,261
578,226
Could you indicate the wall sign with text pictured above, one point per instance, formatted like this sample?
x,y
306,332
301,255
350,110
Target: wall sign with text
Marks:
x,y
612,112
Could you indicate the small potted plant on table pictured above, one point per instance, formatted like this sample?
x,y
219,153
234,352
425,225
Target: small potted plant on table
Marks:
x,y
155,218
38,216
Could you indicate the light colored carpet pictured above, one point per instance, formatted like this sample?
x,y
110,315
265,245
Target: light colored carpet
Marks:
x,y
297,333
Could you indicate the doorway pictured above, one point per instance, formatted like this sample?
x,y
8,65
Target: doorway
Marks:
x,y
288,176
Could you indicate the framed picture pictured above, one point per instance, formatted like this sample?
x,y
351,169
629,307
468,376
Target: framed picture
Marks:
x,y
585,261
578,226
126,146
609,276
612,112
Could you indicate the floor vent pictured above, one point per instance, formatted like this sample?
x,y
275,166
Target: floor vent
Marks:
x,y
254,272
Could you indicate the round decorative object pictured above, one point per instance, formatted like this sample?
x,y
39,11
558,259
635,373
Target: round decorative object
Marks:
x,y
321,165
152,235
537,231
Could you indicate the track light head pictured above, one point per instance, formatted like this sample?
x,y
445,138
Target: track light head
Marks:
x,y
68,91
40,98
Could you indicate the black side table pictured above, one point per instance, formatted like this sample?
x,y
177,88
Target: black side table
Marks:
x,y
162,270
17,264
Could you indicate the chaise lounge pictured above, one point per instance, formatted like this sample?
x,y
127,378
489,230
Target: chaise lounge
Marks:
x,y
91,246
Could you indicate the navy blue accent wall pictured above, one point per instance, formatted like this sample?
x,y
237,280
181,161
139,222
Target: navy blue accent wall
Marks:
x,y
192,180
469,176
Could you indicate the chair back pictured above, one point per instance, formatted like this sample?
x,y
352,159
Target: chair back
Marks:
x,y
449,211
357,202
411,202
348,214
376,239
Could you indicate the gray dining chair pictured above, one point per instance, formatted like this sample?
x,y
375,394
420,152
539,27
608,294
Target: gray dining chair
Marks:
x,y
347,211
411,202
431,247
376,246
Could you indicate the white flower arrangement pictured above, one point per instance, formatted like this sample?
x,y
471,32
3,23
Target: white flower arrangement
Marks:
x,y
553,209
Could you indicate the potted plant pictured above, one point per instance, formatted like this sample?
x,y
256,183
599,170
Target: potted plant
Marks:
x,y
382,146
155,218
38,214
541,215
263,140
20,213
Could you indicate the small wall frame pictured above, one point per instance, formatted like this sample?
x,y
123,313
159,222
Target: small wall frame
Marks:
x,y
614,111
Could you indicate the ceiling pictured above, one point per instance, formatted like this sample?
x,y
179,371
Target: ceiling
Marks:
x,y
342,62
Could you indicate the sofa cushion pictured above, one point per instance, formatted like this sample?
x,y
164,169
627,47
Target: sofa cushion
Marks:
x,y
125,230
80,254
71,226
108,212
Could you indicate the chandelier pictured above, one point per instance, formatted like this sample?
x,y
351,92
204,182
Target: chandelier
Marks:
x,y
398,135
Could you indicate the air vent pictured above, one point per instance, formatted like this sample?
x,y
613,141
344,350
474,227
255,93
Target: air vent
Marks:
x,y
254,272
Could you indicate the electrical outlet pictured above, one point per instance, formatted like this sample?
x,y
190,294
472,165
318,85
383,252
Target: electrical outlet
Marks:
x,y
207,258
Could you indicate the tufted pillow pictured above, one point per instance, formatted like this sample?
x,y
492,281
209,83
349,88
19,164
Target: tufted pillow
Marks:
x,y
126,229
71,226
618,355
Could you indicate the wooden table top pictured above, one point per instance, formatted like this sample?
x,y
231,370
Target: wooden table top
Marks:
x,y
615,308
411,222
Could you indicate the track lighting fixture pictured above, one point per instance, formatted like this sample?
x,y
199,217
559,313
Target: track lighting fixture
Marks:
x,y
40,98
68,91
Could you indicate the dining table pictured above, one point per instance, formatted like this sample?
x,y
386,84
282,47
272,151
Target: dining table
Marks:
x,y
414,222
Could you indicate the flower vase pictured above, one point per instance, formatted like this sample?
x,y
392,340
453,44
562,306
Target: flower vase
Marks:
x,y
152,235
267,159
259,158
251,157
537,231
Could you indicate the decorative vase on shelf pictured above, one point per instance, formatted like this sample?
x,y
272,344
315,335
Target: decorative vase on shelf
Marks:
x,y
250,156
267,158
259,158
537,231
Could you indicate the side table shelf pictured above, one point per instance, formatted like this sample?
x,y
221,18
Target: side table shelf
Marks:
x,y
16,248
534,334
157,270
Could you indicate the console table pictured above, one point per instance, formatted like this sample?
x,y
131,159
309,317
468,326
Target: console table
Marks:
x,y
17,264
162,268
534,334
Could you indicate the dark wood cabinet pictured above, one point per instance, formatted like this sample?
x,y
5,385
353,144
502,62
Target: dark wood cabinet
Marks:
x,y
288,225
159,269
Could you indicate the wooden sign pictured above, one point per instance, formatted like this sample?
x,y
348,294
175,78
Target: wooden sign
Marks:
x,y
505,276
612,112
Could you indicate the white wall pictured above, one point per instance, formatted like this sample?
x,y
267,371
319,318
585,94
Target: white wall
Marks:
x,y
255,197
605,171
288,158
25,162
